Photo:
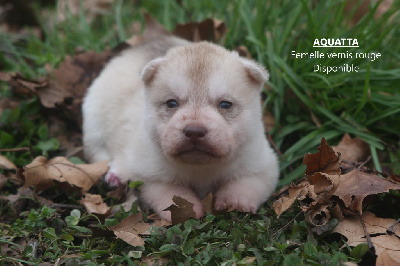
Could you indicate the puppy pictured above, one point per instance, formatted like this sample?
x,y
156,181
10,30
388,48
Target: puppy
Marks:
x,y
184,118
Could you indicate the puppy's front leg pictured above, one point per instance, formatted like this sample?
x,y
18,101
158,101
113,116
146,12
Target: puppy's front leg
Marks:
x,y
159,197
244,194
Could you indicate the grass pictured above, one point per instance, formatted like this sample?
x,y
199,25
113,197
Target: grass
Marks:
x,y
365,104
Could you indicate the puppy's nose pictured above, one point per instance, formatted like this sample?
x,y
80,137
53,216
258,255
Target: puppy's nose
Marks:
x,y
195,133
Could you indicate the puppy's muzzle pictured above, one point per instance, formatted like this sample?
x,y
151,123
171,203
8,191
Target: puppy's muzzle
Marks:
x,y
194,133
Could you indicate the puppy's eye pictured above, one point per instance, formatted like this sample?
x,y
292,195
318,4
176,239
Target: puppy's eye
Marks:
x,y
172,103
225,105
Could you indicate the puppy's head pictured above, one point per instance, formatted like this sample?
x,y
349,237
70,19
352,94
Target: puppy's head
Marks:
x,y
202,102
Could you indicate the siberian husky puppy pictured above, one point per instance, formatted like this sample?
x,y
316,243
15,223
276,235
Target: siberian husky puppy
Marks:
x,y
184,118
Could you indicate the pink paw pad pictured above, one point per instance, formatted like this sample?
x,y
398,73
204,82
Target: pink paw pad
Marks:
x,y
112,179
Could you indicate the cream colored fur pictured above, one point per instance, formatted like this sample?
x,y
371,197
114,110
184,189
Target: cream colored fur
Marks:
x,y
127,121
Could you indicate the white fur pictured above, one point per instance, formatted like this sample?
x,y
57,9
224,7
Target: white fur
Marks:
x,y
126,122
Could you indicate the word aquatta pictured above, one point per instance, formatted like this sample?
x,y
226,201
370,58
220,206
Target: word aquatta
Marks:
x,y
335,42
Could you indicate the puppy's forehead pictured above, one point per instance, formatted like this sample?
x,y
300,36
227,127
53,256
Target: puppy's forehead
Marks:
x,y
200,70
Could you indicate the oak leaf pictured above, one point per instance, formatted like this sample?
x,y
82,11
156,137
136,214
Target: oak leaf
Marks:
x,y
94,204
325,160
207,30
133,227
181,211
6,164
41,173
355,186
385,244
352,149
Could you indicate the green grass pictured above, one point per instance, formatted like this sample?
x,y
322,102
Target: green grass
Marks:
x,y
365,104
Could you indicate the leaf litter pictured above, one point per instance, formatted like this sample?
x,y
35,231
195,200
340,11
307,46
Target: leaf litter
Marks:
x,y
325,194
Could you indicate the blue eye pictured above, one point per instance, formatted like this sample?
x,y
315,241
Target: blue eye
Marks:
x,y
172,104
225,105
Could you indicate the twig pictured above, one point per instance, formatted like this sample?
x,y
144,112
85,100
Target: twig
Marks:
x,y
272,142
67,206
286,225
362,164
16,149
390,230
371,247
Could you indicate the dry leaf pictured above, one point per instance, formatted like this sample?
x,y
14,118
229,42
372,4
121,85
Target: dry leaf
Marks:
x,y
23,86
352,229
352,150
94,205
6,164
268,121
182,211
322,174
356,185
42,173
208,203
131,228
207,30
69,82
152,30
325,161
295,192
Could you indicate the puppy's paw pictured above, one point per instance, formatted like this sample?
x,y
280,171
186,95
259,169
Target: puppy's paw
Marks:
x,y
112,179
241,202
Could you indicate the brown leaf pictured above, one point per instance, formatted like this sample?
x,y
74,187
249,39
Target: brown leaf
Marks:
x,y
131,228
6,164
69,82
268,121
208,30
24,86
94,205
325,161
42,173
300,191
352,150
182,211
243,51
352,229
356,185
152,30
208,203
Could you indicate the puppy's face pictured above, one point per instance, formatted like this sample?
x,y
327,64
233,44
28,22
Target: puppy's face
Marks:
x,y
202,102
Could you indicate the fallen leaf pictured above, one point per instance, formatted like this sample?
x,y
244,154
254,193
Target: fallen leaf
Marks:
x,y
295,192
325,160
243,51
268,121
322,179
182,211
94,205
69,82
207,30
208,203
352,229
42,173
352,149
6,164
355,186
152,30
23,86
131,228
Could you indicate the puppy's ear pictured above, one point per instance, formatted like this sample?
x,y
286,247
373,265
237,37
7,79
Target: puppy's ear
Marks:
x,y
150,70
256,72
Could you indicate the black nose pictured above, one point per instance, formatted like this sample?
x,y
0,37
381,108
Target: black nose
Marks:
x,y
194,133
